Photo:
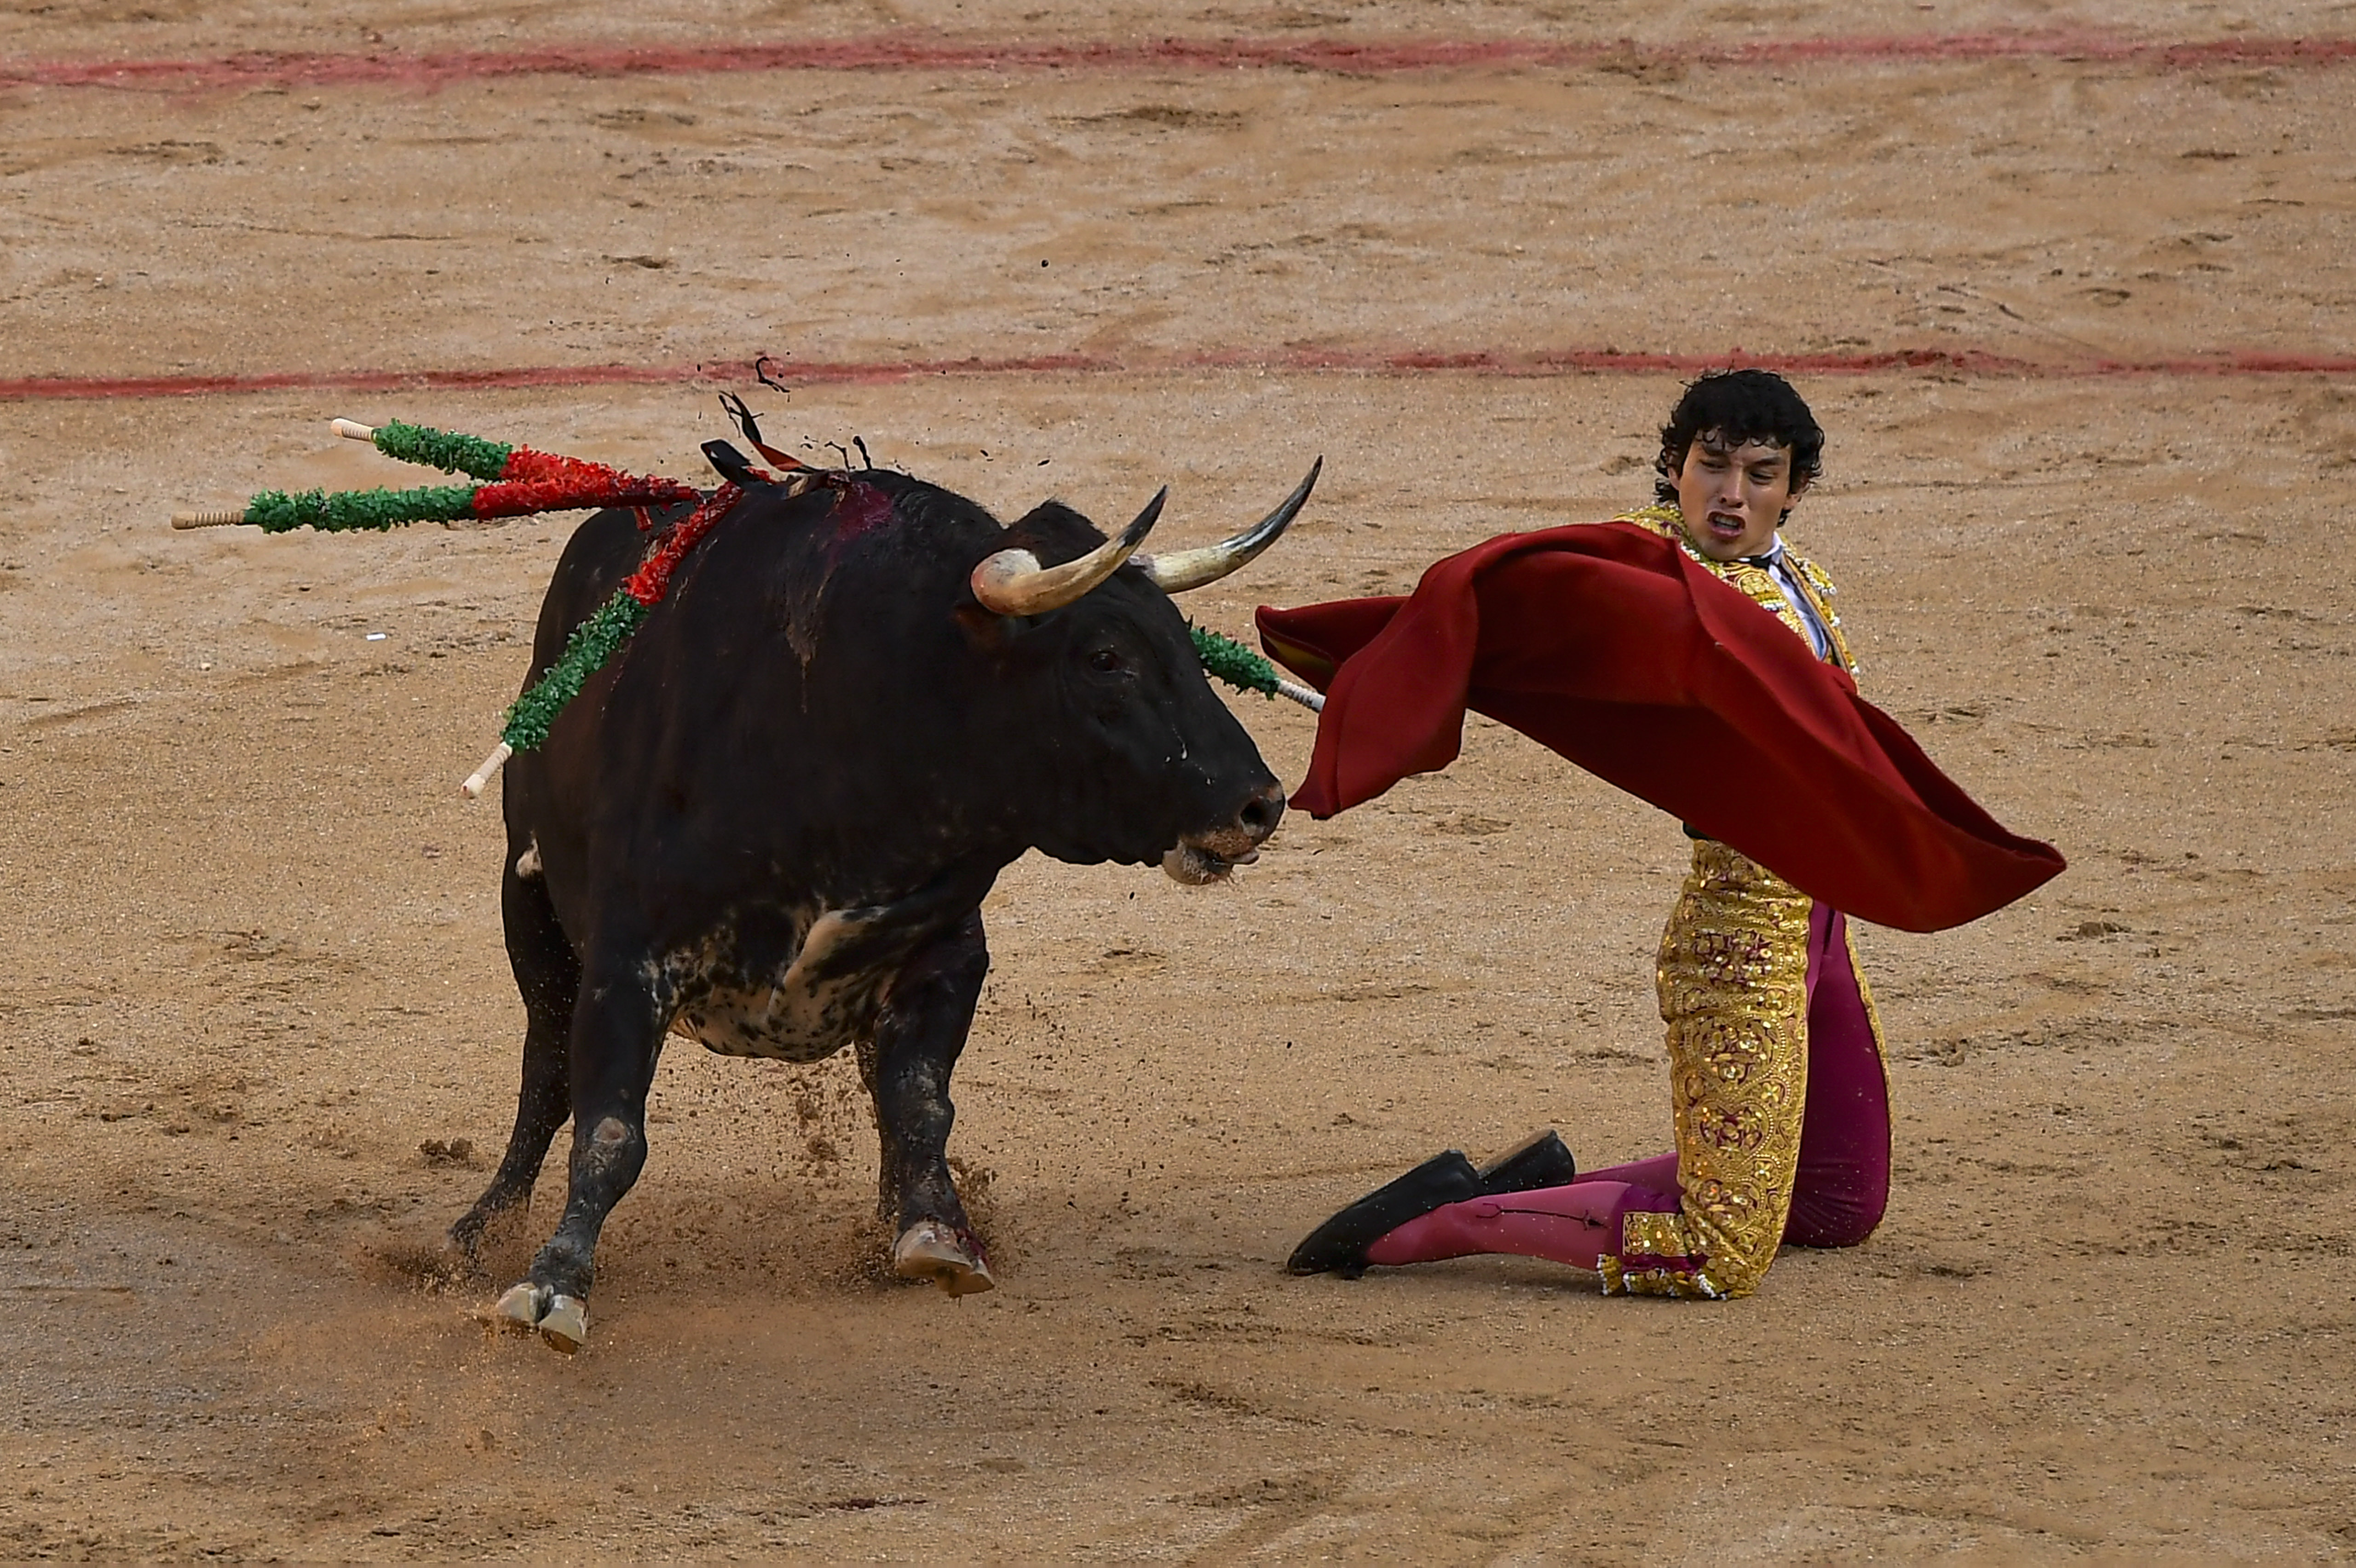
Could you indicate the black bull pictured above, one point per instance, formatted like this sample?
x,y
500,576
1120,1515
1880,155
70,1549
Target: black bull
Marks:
x,y
770,821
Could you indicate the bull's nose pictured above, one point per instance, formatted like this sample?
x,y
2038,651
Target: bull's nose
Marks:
x,y
1261,813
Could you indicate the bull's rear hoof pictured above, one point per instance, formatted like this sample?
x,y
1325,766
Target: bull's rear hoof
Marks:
x,y
562,1322
950,1258
452,1264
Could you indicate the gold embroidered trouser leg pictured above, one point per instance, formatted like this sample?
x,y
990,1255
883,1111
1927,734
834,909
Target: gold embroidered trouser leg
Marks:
x,y
1734,994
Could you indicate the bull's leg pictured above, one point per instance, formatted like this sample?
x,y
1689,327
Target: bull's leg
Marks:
x,y
614,1044
917,1038
548,975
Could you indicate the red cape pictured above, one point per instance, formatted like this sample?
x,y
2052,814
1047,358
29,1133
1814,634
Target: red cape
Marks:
x,y
1608,644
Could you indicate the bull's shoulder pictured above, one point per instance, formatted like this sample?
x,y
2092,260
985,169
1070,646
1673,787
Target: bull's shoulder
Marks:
x,y
603,551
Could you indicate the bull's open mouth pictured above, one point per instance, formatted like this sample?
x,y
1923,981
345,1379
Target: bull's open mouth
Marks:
x,y
1195,864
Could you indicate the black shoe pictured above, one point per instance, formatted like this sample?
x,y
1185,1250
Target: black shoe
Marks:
x,y
1539,1160
1340,1243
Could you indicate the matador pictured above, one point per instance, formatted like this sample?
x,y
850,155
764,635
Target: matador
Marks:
x,y
1779,1102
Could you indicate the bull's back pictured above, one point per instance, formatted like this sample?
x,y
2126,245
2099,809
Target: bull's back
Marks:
x,y
737,730
602,551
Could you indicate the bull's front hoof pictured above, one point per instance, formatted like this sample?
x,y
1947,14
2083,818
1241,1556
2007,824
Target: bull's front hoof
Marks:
x,y
950,1258
566,1326
561,1321
522,1306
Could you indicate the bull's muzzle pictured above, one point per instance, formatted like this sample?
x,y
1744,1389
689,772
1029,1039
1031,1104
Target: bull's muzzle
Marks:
x,y
1207,857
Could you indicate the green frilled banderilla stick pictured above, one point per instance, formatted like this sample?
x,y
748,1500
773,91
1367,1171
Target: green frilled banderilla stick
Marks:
x,y
1245,671
514,481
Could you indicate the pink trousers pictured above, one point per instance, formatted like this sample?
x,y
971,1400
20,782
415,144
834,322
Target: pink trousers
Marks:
x,y
1838,1192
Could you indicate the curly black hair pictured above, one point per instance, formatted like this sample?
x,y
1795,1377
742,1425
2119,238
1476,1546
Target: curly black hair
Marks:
x,y
1739,406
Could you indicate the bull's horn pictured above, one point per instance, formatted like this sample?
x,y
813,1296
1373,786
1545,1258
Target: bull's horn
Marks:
x,y
1185,568
1012,583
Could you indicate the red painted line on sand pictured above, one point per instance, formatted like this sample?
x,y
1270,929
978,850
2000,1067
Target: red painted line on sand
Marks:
x,y
899,51
1303,361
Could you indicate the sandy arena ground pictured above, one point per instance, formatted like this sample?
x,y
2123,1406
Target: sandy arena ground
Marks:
x,y
250,930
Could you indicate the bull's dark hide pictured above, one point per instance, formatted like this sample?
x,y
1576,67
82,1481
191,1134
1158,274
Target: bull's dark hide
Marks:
x,y
771,819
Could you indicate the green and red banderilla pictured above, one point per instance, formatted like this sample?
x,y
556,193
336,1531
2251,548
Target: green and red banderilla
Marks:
x,y
517,481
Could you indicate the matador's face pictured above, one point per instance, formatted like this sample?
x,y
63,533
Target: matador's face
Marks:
x,y
1733,496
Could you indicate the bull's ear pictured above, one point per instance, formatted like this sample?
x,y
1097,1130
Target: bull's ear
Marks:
x,y
1015,582
986,629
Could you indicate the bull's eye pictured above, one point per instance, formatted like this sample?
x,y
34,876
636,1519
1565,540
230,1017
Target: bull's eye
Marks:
x,y
1104,661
